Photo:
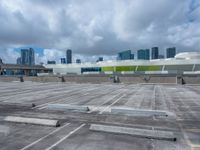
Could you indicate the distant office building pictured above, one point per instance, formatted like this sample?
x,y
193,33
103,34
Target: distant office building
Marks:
x,y
125,55
1,61
78,61
132,56
63,60
170,52
51,62
99,59
154,53
69,56
41,63
19,60
161,57
143,54
27,56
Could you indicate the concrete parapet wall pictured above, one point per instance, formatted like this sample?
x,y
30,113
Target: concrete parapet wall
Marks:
x,y
85,79
148,79
103,78
43,79
8,78
191,79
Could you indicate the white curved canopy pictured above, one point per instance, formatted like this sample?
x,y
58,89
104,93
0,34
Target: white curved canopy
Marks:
x,y
188,55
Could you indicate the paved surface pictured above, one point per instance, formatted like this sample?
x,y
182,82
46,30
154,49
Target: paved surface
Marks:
x,y
74,134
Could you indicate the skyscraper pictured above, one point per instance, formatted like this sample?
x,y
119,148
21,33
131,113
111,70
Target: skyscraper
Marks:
x,y
143,54
1,61
69,56
19,60
154,53
78,61
27,56
171,52
99,59
125,55
132,56
51,62
63,60
161,57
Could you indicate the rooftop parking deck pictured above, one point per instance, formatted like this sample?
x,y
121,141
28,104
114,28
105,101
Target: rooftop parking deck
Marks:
x,y
180,102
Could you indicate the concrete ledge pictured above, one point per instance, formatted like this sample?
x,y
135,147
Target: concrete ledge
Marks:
x,y
145,133
45,122
28,105
65,107
138,112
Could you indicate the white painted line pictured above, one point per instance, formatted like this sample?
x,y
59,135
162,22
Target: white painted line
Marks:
x,y
65,137
40,139
153,98
52,102
186,137
97,107
40,108
111,104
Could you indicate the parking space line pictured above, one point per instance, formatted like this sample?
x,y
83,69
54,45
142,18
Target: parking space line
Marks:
x,y
193,130
112,104
195,145
96,107
40,139
65,137
186,137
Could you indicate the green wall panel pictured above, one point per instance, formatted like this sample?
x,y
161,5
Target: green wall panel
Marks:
x,y
125,68
131,68
149,68
104,69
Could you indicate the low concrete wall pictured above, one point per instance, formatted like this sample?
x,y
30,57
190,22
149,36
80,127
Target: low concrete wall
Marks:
x,y
9,79
191,79
85,79
148,79
103,78
42,79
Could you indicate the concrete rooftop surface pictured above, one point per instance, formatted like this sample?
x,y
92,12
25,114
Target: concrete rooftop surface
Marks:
x,y
123,116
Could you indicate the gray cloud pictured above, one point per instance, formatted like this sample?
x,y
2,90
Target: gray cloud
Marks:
x,y
100,27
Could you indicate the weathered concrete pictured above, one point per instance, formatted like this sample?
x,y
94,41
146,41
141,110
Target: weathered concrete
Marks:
x,y
8,79
148,79
153,134
4,130
65,107
104,78
181,100
138,112
98,78
191,79
37,121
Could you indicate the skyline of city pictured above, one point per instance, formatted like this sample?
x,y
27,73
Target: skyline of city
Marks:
x,y
28,56
122,55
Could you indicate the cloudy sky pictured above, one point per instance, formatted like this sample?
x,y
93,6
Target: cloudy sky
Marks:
x,y
93,28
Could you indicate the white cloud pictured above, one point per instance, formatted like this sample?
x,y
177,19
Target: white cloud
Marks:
x,y
9,55
99,28
50,54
